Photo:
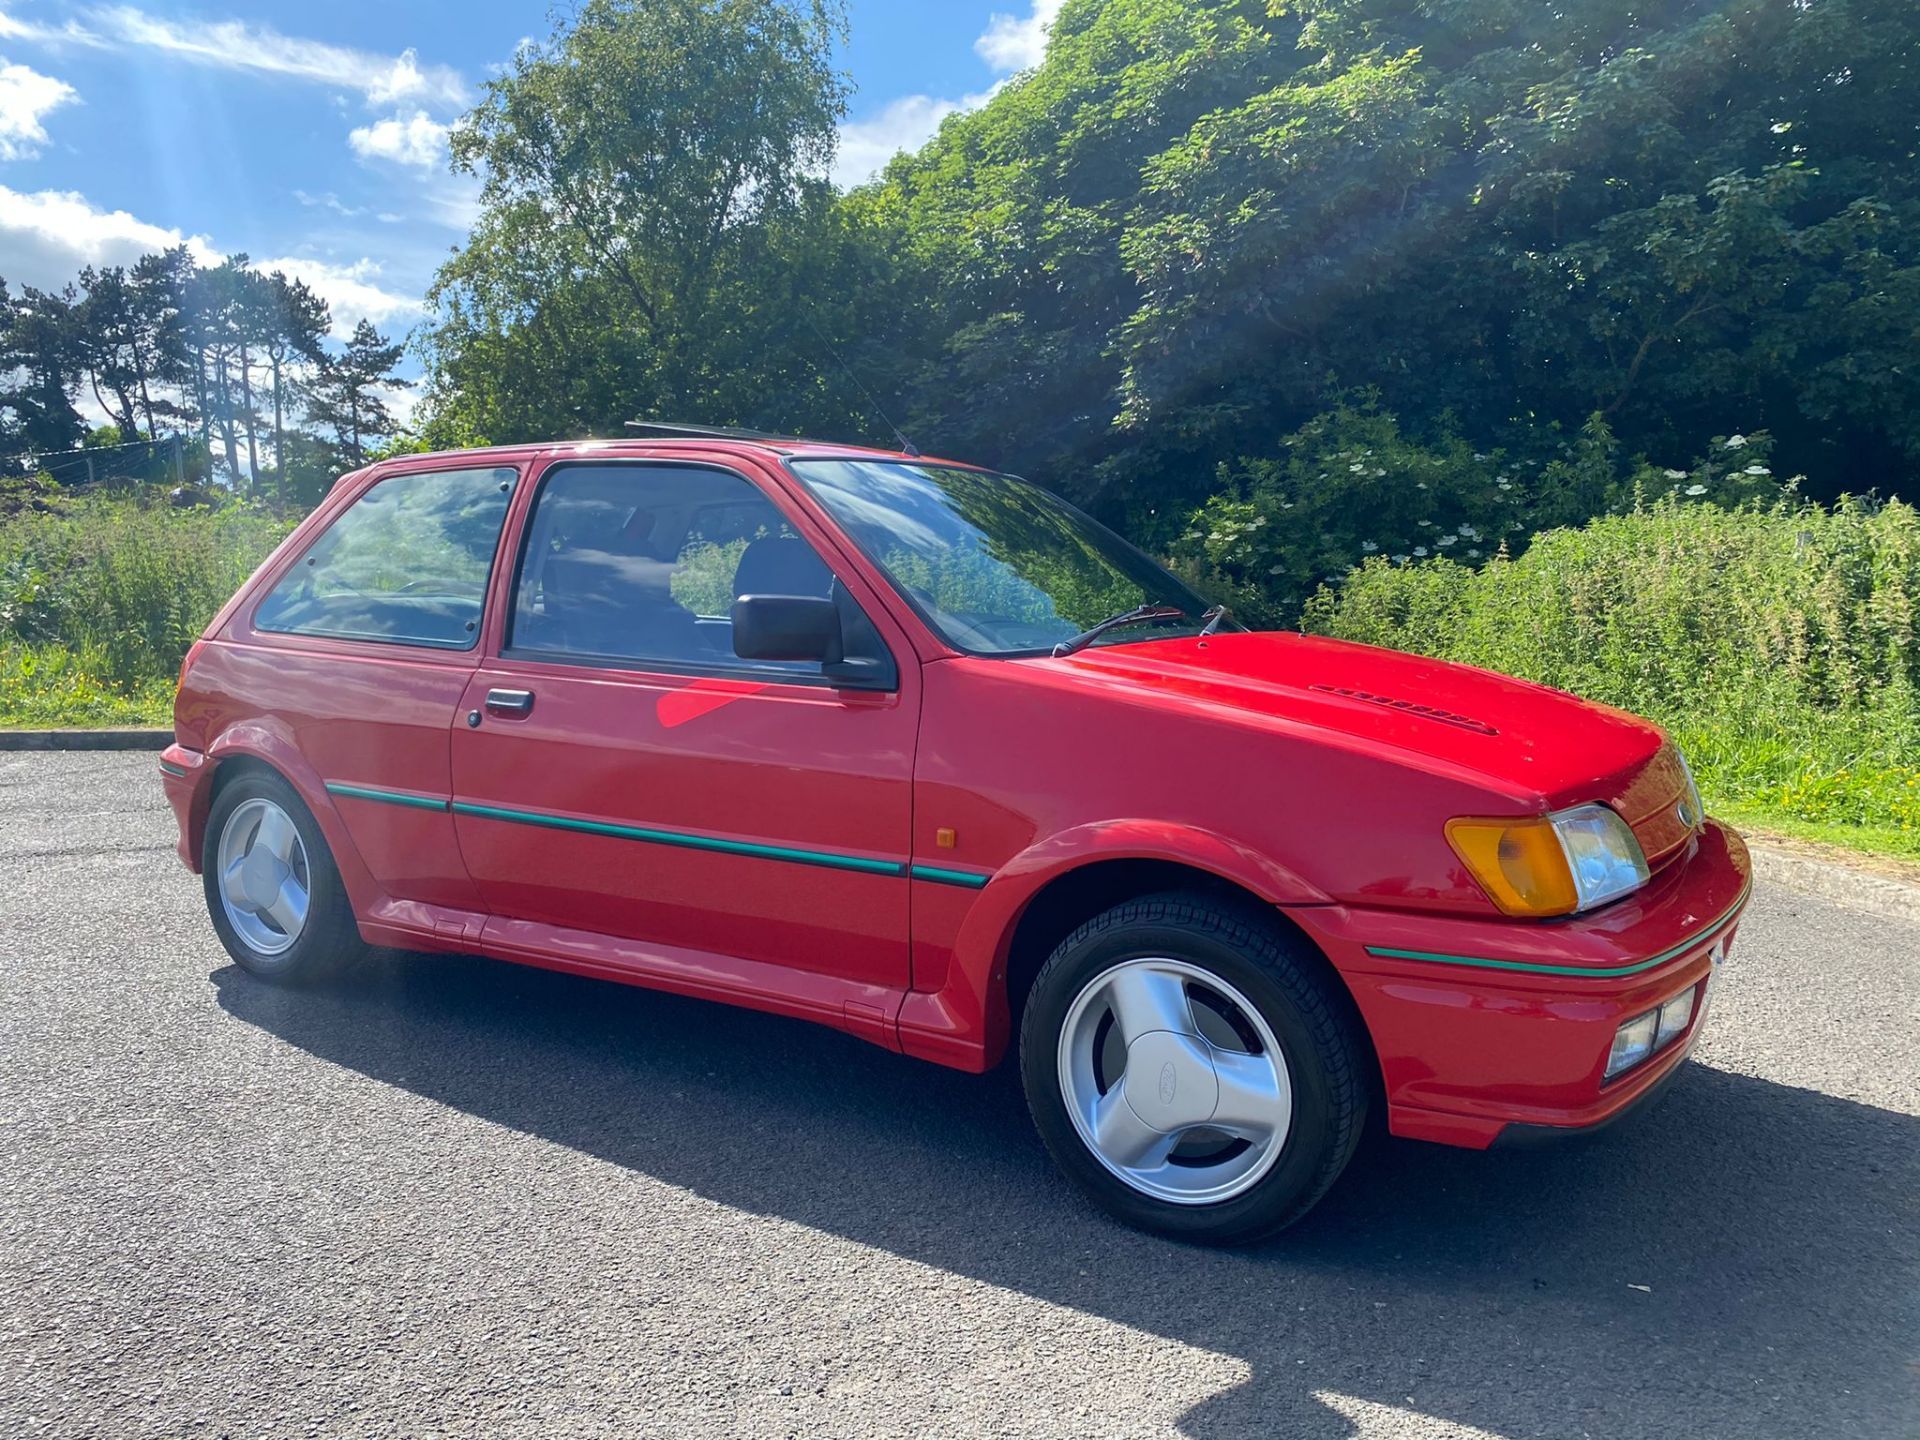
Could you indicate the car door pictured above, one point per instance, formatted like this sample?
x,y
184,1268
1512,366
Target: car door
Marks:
x,y
360,651
622,774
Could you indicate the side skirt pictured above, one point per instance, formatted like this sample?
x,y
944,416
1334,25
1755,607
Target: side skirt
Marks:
x,y
866,1010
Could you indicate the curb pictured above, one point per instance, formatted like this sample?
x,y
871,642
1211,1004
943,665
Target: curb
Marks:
x,y
85,739
1862,889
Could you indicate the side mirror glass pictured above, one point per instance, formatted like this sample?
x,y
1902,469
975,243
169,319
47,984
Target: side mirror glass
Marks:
x,y
787,627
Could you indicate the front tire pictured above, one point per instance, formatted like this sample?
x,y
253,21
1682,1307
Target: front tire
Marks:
x,y
1191,1066
272,888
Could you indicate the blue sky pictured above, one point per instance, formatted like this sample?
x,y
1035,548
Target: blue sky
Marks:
x,y
312,137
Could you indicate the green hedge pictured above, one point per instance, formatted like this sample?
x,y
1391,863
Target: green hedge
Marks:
x,y
1777,644
101,596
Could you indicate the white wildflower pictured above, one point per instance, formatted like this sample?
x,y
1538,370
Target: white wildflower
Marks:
x,y
1736,442
1696,489
1367,547
1758,470
1420,550
1676,474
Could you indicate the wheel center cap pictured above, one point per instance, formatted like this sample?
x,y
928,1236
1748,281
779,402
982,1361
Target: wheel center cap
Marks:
x,y
1169,1081
261,877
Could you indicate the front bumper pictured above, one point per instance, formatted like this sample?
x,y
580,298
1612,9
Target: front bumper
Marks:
x,y
1482,1024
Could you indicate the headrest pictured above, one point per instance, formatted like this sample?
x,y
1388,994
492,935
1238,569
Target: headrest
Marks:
x,y
781,565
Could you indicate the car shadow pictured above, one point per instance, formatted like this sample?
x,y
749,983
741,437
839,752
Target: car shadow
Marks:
x,y
1739,1260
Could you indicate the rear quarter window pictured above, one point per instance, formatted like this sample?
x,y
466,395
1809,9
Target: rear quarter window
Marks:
x,y
406,563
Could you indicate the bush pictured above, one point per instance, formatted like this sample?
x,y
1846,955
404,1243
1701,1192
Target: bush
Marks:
x,y
1776,643
117,589
1351,484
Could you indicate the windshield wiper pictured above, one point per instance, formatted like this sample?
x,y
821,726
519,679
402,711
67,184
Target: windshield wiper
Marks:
x,y
1137,616
1214,618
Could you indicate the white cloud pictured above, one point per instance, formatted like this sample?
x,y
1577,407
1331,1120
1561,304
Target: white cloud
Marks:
x,y
1009,43
904,124
238,45
1013,43
26,97
69,33
48,236
352,292
416,140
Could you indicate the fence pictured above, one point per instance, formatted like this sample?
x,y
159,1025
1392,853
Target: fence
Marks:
x,y
106,465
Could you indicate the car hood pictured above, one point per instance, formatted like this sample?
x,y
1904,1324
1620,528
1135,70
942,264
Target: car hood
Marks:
x,y
1539,746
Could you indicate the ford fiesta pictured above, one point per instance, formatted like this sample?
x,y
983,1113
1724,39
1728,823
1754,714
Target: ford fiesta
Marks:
x,y
922,753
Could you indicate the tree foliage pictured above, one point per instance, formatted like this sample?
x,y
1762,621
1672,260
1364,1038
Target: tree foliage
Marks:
x,y
168,347
1203,234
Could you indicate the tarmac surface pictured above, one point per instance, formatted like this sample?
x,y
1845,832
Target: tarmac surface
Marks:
x,y
456,1197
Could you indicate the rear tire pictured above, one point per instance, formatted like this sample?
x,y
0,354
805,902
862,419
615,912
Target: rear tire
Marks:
x,y
272,889
1194,1069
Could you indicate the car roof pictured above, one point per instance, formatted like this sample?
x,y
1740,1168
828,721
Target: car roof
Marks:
x,y
678,447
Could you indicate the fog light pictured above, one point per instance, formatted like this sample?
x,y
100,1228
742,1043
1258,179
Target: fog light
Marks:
x,y
1674,1015
1632,1043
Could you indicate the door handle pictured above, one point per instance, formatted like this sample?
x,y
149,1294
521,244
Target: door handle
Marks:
x,y
514,703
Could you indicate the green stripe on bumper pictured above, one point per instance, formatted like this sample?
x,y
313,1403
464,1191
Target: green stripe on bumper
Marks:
x,y
1585,972
386,797
167,767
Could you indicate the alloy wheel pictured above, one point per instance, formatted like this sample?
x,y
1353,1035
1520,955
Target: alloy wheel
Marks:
x,y
1175,1081
264,876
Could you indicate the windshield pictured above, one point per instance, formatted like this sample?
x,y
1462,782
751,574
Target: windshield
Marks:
x,y
996,566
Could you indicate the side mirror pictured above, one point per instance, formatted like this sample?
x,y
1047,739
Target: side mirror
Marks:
x,y
787,627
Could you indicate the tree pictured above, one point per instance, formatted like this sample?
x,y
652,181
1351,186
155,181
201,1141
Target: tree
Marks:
x,y
344,394
40,352
639,170
297,324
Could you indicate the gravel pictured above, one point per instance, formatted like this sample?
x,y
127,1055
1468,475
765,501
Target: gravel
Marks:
x,y
454,1197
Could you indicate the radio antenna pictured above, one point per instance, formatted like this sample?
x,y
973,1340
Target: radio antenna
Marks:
x,y
907,447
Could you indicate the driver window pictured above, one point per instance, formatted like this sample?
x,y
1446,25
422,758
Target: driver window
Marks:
x,y
642,564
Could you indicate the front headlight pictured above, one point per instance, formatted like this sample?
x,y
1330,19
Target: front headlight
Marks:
x,y
1551,864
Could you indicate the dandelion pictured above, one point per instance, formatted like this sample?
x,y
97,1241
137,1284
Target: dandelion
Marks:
x,y
1696,489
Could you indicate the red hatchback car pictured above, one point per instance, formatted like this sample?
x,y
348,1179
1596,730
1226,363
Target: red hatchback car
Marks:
x,y
920,752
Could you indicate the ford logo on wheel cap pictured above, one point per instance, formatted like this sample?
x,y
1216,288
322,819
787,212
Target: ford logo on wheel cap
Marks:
x,y
1169,1082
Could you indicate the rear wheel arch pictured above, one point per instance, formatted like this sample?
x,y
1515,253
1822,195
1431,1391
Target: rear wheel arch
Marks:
x,y
266,750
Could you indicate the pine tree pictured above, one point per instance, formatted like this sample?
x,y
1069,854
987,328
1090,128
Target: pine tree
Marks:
x,y
344,395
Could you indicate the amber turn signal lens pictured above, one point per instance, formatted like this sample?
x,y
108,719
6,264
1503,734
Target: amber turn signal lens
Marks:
x,y
1519,863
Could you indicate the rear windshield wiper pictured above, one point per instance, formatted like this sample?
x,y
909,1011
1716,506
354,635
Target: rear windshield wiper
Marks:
x,y
1137,616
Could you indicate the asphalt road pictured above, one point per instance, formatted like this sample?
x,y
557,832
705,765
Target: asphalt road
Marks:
x,y
453,1197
